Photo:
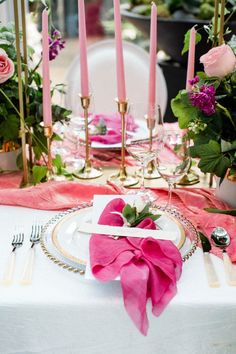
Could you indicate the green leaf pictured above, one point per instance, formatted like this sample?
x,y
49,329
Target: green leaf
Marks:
x,y
39,173
187,39
211,158
183,109
9,128
58,163
129,213
220,211
226,112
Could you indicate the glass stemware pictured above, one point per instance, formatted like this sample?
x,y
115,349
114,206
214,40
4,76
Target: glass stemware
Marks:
x,y
146,150
173,159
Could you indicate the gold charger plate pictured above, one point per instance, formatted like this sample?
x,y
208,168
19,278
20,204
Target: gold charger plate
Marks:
x,y
69,249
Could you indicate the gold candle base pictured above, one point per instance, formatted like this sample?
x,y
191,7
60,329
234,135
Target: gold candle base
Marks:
x,y
87,172
122,178
151,171
189,179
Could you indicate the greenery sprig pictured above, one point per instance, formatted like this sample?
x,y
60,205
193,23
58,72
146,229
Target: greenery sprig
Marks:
x,y
137,213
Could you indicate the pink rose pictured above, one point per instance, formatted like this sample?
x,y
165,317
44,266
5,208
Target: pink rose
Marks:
x,y
6,66
219,61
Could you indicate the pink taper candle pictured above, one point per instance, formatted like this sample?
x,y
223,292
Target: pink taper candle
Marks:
x,y
83,51
47,109
191,58
152,62
120,71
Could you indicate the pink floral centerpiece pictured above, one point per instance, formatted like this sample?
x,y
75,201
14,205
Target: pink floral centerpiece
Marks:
x,y
208,112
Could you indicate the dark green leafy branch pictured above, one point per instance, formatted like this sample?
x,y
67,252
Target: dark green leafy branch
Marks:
x,y
220,211
9,103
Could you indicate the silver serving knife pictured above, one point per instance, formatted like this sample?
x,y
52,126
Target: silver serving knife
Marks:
x,y
212,277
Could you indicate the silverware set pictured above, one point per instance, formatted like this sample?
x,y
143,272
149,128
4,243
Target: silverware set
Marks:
x,y
17,242
221,239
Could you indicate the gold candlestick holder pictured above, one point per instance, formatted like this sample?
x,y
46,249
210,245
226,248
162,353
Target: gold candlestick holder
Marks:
x,y
87,172
151,170
122,178
191,177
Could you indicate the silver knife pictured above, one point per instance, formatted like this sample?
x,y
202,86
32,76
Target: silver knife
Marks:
x,y
212,277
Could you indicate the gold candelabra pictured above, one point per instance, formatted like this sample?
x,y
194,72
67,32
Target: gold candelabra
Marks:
x,y
25,179
88,171
122,178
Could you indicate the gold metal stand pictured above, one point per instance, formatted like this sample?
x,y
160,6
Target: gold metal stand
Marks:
x,y
87,172
151,170
189,179
122,178
26,75
25,179
222,22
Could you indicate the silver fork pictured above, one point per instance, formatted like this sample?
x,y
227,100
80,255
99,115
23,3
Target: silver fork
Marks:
x,y
17,242
29,264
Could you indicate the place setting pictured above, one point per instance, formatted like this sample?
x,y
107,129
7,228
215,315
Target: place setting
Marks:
x,y
117,215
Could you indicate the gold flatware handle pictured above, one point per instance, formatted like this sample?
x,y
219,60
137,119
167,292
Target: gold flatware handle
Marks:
x,y
212,277
28,268
9,271
230,271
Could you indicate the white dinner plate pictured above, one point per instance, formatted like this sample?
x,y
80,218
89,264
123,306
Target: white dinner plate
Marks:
x,y
140,133
102,77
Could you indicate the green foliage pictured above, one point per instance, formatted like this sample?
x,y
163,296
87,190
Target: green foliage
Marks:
x,y
40,171
213,136
219,211
200,9
134,217
187,39
33,112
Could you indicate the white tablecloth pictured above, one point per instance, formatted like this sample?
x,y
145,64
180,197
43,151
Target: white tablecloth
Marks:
x,y
62,313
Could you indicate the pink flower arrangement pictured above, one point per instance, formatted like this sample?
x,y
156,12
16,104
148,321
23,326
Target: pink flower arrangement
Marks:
x,y
6,66
208,112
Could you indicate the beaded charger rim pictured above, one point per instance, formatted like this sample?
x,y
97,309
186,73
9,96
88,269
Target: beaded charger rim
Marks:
x,y
80,265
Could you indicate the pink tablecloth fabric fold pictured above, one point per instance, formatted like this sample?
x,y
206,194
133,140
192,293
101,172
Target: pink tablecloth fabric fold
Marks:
x,y
51,195
148,268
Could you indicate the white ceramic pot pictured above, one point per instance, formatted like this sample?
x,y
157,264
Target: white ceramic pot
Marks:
x,y
226,191
8,160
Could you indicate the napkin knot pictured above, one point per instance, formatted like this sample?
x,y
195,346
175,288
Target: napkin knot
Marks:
x,y
138,254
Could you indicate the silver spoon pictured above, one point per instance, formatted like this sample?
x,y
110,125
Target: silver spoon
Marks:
x,y
221,239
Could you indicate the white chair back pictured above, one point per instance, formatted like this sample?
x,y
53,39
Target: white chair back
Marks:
x,y
102,76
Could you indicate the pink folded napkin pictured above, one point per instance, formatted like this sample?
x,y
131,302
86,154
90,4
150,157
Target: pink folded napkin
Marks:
x,y
148,268
113,123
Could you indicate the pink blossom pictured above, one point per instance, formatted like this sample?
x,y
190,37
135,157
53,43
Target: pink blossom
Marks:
x,y
6,66
219,61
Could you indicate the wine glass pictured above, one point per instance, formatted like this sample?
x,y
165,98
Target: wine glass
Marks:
x,y
173,160
145,150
